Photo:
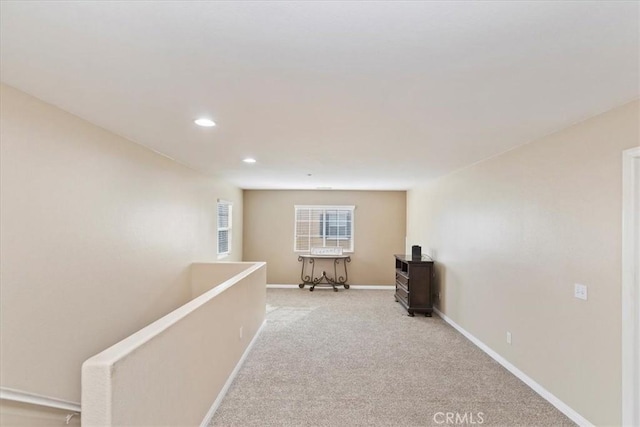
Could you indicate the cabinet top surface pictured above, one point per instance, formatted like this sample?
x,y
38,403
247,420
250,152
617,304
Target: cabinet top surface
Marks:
x,y
410,259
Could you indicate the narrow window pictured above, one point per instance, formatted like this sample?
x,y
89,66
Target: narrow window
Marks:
x,y
224,228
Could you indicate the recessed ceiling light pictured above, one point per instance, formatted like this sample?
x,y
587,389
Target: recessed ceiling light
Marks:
x,y
204,122
249,160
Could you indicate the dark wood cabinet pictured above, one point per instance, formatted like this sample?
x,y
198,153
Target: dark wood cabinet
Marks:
x,y
414,283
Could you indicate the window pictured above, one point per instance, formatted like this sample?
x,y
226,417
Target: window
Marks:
x,y
322,227
224,227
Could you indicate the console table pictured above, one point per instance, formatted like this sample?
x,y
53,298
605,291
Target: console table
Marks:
x,y
314,279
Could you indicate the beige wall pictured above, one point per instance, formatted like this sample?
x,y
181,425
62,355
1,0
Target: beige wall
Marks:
x,y
205,276
379,222
512,235
98,235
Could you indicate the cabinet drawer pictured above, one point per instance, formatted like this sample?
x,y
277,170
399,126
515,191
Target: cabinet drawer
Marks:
x,y
402,279
403,286
402,293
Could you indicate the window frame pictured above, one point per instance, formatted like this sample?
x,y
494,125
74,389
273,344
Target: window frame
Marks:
x,y
324,226
228,228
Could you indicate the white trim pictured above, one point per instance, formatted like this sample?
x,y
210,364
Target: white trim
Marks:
x,y
547,395
38,399
326,207
355,287
630,292
227,384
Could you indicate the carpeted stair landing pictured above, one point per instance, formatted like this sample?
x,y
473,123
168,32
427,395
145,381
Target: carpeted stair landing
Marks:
x,y
354,358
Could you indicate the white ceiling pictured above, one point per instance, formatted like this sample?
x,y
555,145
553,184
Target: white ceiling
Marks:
x,y
362,95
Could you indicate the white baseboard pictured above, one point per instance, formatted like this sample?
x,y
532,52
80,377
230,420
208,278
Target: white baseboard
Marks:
x,y
38,400
227,384
358,287
546,394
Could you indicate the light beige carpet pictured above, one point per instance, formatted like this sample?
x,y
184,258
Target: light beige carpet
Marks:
x,y
354,358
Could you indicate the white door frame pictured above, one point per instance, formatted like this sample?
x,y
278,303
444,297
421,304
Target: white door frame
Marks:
x,y
630,288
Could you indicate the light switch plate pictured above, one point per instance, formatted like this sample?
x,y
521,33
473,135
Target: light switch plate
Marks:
x,y
580,291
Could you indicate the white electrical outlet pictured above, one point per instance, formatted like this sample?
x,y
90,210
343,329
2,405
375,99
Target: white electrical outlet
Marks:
x,y
580,291
240,332
508,337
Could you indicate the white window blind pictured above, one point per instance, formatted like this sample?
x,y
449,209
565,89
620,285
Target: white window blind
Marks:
x,y
323,226
224,227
